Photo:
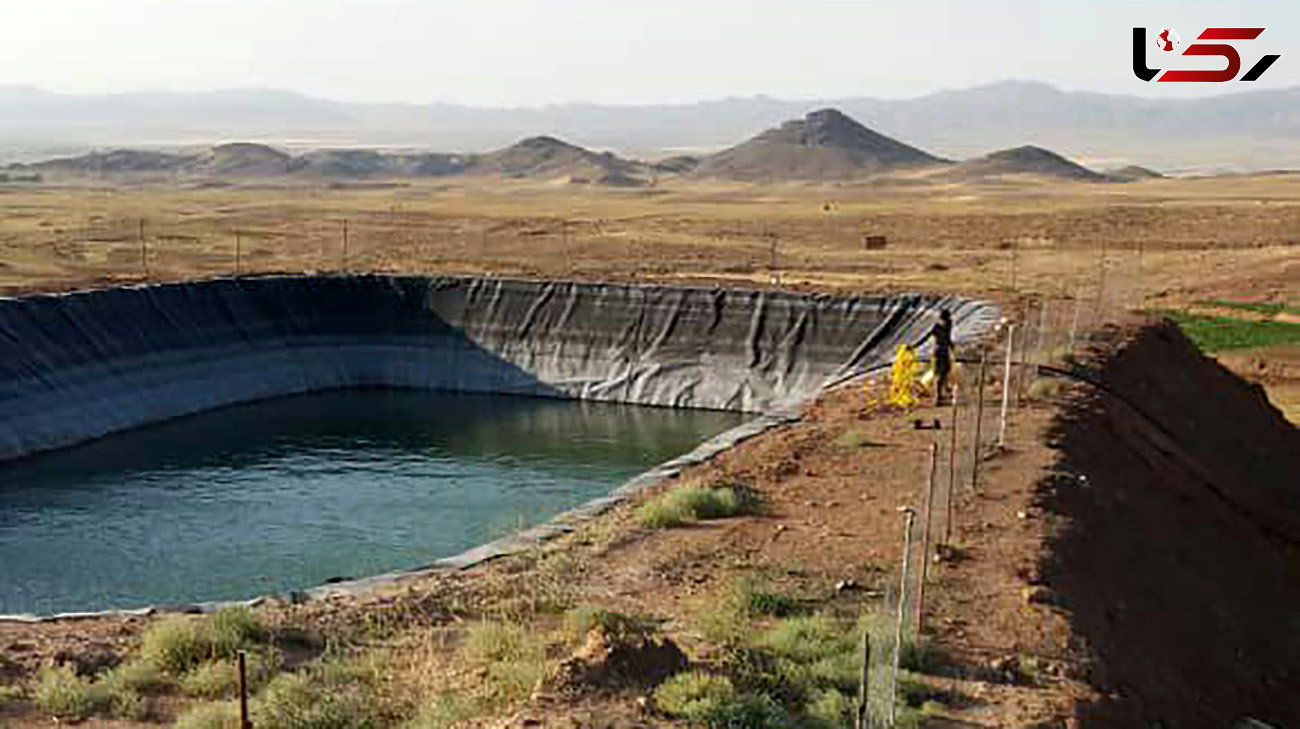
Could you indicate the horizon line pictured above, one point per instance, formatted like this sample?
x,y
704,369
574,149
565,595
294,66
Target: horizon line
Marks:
x,y
625,104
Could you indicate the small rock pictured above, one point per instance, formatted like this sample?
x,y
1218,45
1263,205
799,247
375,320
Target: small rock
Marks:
x,y
1022,515
1036,595
846,585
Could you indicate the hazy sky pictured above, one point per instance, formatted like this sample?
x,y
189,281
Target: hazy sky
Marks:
x,y
528,52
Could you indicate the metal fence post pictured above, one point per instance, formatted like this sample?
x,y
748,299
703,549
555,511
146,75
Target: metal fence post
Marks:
x,y
1006,388
244,722
979,421
925,538
864,679
144,252
952,468
902,609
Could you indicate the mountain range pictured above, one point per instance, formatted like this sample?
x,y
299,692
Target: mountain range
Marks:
x,y
1244,130
823,146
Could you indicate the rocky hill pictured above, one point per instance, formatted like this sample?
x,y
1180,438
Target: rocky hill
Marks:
x,y
1134,173
825,145
365,163
551,158
1025,160
241,159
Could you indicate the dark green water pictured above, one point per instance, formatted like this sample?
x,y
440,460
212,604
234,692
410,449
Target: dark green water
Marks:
x,y
288,493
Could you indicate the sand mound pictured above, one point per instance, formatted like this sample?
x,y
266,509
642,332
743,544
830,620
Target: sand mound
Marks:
x,y
1178,562
1026,160
608,659
823,146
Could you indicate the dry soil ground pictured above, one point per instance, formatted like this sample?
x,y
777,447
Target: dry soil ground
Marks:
x,y
1035,633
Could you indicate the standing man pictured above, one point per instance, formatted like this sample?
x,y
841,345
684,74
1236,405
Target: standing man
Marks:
x,y
942,333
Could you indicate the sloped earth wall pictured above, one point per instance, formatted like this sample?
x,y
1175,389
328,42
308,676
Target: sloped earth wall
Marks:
x,y
79,366
1180,562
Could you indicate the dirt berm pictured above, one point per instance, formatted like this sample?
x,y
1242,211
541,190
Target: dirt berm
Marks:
x,y
1179,488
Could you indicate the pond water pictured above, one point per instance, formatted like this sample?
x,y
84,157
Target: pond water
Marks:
x,y
288,493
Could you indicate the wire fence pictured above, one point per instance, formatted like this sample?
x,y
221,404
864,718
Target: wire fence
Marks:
x,y
997,377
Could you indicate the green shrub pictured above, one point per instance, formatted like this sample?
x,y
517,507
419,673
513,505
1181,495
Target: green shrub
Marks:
x,y
727,620
224,715
687,504
713,701
177,644
334,694
749,711
831,707
61,693
137,677
918,655
694,695
806,639
757,600
219,679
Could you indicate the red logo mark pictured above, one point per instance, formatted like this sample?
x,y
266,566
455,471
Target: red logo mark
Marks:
x,y
1167,40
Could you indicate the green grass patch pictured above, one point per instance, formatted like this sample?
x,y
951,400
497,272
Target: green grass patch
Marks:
x,y
332,694
728,618
219,679
694,695
62,694
177,644
709,700
855,438
448,710
515,658
138,677
688,504
1217,333
224,715
1270,309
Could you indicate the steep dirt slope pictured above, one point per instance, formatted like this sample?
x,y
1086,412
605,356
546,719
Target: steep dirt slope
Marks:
x,y
823,146
1178,560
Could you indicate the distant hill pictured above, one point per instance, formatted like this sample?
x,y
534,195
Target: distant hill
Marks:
x,y
1024,160
114,162
241,159
1134,173
249,160
825,145
1232,131
365,163
551,158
